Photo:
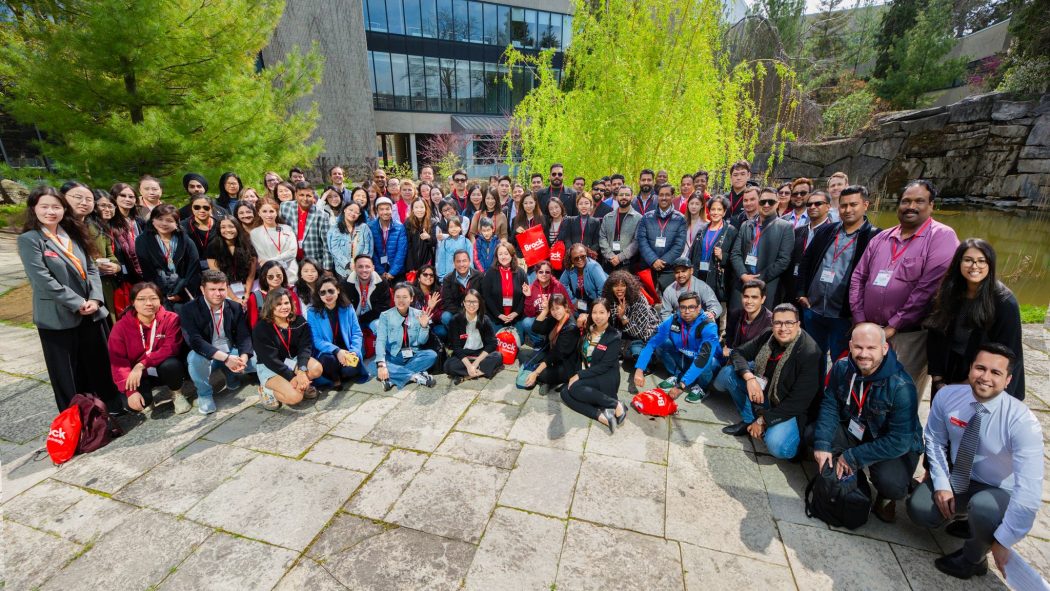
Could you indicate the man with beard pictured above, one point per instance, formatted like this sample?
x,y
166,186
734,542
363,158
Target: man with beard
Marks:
x,y
646,199
557,189
800,190
616,238
661,237
762,249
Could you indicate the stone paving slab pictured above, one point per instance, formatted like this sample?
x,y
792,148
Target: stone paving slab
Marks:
x,y
225,562
600,558
621,493
376,497
825,559
31,556
519,551
704,567
543,481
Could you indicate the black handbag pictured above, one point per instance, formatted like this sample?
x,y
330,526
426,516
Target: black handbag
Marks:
x,y
839,503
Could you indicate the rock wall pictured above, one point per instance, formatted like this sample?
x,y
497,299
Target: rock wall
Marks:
x,y
991,149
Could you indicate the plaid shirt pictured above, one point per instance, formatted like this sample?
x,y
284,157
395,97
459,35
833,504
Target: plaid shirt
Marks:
x,y
315,238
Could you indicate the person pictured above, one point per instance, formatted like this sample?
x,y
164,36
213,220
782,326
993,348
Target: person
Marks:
x,y
360,196
270,181
475,201
584,280
783,199
695,219
284,349
200,226
145,351
338,177
285,192
215,328
401,335
535,183
710,253
529,215
473,342
369,293
247,214
700,180
686,190
195,186
232,253
555,220
447,249
422,236
557,189
604,202
579,183
296,175
459,190
485,244
150,196
661,237
273,276
426,296
747,322
583,228
775,378
504,287
896,278
447,212
58,260
826,267
390,244
230,187
687,345
332,204
762,249
869,418
248,195
817,207
169,259
836,183
404,194
739,176
491,210
986,462
109,263
349,237
310,272
337,337
310,224
685,281
125,227
456,284
645,201
971,308
798,214
616,237
275,241
517,193
591,390
559,362
426,174
631,313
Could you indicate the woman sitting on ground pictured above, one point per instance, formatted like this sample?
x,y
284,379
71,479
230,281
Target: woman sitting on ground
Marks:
x,y
426,296
145,351
336,334
473,342
284,348
545,285
555,320
631,313
591,391
504,288
401,333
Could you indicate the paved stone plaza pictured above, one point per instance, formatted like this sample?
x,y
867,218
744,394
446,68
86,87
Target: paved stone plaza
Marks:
x,y
481,486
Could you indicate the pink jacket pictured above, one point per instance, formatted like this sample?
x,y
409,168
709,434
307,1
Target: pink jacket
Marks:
x,y
126,347
531,308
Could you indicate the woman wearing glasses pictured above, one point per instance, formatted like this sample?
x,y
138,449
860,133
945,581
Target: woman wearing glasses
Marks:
x,y
473,342
544,286
336,334
201,227
272,276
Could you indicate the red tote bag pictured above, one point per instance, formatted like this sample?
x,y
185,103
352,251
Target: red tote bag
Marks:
x,y
533,245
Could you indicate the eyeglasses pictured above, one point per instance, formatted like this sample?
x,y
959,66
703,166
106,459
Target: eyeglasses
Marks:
x,y
201,208
427,274
767,202
975,262
543,272
275,276
460,179
689,308
327,292
558,174
784,323
799,193
816,203
783,192
471,302
80,198
579,257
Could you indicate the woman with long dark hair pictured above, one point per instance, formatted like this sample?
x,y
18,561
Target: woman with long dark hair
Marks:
x,y
503,287
492,210
201,227
58,259
125,227
972,308
247,215
109,263
350,237
591,391
631,313
283,346
336,333
310,273
710,252
422,237
169,258
331,202
230,188
556,322
474,353
272,275
231,252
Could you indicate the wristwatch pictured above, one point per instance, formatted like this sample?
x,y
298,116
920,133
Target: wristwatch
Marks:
x,y
302,368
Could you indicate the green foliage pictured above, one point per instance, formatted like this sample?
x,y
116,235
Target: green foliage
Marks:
x,y
1030,29
122,88
647,84
400,170
1033,314
1027,75
896,21
824,49
849,114
448,164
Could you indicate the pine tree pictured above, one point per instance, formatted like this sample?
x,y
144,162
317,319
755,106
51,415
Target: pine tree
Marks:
x,y
128,87
825,51
895,23
918,62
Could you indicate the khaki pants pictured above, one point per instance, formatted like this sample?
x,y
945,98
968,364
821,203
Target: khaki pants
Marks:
x,y
911,352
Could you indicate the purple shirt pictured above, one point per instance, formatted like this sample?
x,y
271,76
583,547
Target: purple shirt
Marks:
x,y
905,300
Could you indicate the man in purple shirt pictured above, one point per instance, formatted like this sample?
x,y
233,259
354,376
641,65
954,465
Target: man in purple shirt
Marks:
x,y
897,277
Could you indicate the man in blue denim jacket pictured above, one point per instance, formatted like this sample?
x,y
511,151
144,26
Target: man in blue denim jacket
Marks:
x,y
869,419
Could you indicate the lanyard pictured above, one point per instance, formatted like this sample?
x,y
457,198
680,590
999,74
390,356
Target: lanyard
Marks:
x,y
67,247
645,205
583,224
685,335
579,284
168,252
735,202
663,225
758,236
218,325
207,233
863,397
386,236
404,332
619,221
152,336
710,237
835,253
286,342
276,244
894,255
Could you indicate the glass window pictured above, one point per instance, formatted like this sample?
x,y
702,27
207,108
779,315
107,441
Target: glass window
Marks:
x,y
372,72
462,85
459,7
555,31
444,19
530,28
502,25
476,22
518,31
477,87
384,97
543,29
492,88
377,15
433,68
399,70
428,15
417,83
448,85
504,90
394,20
489,36
364,7
566,31
413,25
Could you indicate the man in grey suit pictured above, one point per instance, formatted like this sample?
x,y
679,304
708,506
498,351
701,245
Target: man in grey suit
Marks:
x,y
762,249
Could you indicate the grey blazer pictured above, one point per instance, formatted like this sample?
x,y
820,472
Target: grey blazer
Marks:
x,y
774,256
58,289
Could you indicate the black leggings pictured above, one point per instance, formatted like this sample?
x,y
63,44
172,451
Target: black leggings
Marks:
x,y
585,397
492,363
171,373
334,371
77,360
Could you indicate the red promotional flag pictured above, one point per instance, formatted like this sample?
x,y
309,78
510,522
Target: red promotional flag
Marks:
x,y
533,245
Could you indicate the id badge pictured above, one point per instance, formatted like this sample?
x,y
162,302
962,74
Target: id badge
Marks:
x,y
856,429
508,302
407,353
661,242
382,260
795,272
827,276
705,266
301,244
290,363
151,371
204,264
124,269
883,278
687,352
238,289
751,260
581,305
616,247
762,382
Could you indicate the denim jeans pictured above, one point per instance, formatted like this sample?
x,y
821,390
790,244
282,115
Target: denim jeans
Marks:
x,y
678,364
200,369
831,334
527,336
781,439
401,370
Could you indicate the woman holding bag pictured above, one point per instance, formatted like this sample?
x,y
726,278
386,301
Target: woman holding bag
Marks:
x,y
504,288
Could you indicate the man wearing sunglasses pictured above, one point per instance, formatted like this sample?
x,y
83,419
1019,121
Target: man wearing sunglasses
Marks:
x,y
459,191
817,206
762,249
557,189
800,190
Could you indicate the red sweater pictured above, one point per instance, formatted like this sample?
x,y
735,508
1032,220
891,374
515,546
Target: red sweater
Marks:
x,y
126,346
531,303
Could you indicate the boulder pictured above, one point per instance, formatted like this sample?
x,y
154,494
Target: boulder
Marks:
x,y
974,108
1010,110
886,149
1010,131
937,121
12,192
1040,134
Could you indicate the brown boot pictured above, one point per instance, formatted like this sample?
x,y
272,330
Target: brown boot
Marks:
x,y
885,509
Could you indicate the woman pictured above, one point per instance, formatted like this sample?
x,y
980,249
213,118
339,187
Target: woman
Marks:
x,y
229,191
436,194
504,287
274,241
583,228
401,333
150,194
361,197
125,230
510,209
490,209
584,278
349,237
272,276
529,215
631,313
285,191
284,350
556,209
81,200
145,351
559,363
332,203
710,252
201,227
247,216
694,220
59,262
169,258
426,296
544,286
474,352
591,391
336,334
270,181
127,202
232,253
475,201
972,308
422,238
406,197
310,273
249,196
110,263
783,199
448,213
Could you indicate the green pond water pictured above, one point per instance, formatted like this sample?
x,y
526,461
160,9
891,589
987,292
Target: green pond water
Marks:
x,y
1021,241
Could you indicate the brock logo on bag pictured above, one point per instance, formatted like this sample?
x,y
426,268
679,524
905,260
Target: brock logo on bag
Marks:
x,y
534,245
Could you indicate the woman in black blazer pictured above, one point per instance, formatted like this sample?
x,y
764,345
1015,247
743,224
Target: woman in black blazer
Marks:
x,y
169,258
473,341
591,391
556,322
502,288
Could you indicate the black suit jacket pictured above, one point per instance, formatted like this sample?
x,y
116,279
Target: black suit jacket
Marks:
x,y
378,298
198,330
604,370
809,263
492,293
570,234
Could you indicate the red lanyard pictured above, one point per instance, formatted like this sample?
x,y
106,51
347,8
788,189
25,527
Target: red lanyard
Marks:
x,y
664,224
152,336
276,244
286,342
894,255
579,283
619,220
645,205
583,224
777,358
835,253
863,397
404,332
758,235
745,327
169,252
207,233
685,335
218,325
735,203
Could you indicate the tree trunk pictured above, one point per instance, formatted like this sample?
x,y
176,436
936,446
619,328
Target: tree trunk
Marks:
x,y
131,85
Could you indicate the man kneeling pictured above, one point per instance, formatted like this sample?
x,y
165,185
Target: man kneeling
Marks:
x,y
869,418
687,343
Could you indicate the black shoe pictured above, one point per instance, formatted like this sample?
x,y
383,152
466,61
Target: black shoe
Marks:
x,y
959,529
956,565
620,419
736,429
387,385
457,380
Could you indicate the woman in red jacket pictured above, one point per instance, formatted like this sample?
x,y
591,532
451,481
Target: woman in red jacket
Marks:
x,y
544,286
145,351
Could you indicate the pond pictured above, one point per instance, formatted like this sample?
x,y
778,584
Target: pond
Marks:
x,y
1021,241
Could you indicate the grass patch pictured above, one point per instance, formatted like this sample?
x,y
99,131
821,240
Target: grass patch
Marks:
x,y
1033,314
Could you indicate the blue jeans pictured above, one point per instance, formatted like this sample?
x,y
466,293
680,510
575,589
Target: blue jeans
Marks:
x,y
678,364
831,334
525,331
401,370
200,369
783,438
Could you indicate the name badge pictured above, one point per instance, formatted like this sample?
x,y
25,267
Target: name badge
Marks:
x,y
883,278
687,352
290,364
151,371
301,244
616,247
51,253
827,276
382,260
795,272
124,269
407,353
751,260
601,347
705,266
856,429
237,288
959,422
661,242
508,302
581,305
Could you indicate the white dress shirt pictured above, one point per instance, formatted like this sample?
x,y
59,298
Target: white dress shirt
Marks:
x,y
1009,454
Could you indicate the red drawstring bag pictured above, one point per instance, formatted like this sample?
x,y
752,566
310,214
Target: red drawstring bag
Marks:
x,y
557,255
533,245
64,435
368,343
654,403
410,277
507,345
648,286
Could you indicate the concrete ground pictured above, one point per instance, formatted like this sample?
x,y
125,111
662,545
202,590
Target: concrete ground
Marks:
x,y
480,486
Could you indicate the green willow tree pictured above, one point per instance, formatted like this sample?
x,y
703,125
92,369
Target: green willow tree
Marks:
x,y
645,85
127,87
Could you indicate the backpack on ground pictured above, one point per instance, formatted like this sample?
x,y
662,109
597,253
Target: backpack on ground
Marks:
x,y
654,403
64,435
82,428
839,502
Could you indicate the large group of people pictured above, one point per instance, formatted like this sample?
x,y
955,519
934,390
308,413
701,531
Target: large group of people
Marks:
x,y
822,329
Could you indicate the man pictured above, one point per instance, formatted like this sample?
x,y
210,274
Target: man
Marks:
x,y
426,174
645,201
836,183
615,182
310,224
454,286
686,282
749,207
578,184
897,277
817,216
338,176
747,322
762,249
800,190
869,418
390,243
774,381
739,175
661,177
661,237
686,190
826,267
985,450
369,294
616,238
602,204
536,183
296,176
216,330
379,180
700,181
459,191
557,188
687,343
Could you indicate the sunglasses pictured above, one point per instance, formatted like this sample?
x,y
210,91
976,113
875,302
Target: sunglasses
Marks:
x,y
543,272
201,208
557,174
427,274
767,202
816,203
460,180
277,276
579,257
328,292
783,192
799,193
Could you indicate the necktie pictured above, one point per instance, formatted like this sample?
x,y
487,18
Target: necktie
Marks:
x,y
960,477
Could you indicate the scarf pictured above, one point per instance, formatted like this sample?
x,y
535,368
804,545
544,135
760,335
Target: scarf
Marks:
x,y
762,359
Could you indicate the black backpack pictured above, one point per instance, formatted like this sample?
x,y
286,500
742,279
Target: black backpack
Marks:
x,y
839,503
